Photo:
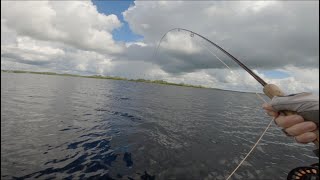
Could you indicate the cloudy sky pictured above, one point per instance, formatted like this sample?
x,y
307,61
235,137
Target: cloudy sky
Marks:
x,y
279,40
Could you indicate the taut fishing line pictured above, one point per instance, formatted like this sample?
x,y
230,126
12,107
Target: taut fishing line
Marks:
x,y
259,96
269,90
192,35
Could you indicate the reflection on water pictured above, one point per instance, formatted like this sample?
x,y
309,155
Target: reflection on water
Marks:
x,y
75,128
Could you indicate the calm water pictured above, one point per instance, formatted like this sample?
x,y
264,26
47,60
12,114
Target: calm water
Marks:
x,y
56,127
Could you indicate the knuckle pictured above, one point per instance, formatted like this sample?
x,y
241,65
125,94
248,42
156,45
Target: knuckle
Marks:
x,y
295,118
298,118
282,121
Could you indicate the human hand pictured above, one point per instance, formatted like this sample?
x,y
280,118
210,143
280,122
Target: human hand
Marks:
x,y
306,105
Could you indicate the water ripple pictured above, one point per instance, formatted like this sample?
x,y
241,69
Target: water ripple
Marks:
x,y
56,127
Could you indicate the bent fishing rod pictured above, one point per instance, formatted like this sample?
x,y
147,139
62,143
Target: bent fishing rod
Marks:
x,y
271,90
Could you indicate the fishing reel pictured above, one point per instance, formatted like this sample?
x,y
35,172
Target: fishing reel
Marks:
x,y
305,173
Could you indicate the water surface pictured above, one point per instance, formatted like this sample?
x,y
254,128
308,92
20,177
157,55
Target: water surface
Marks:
x,y
56,127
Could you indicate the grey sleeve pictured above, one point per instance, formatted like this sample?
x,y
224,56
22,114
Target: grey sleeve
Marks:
x,y
305,104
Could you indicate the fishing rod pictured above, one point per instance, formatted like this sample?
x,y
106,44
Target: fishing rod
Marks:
x,y
270,90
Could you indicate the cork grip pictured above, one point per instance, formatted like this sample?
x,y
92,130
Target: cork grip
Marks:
x,y
272,90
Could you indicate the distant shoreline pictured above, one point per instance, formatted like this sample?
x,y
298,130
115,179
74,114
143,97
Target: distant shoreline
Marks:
x,y
120,79
107,77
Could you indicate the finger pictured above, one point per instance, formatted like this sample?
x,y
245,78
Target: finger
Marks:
x,y
301,128
272,113
288,121
267,107
306,137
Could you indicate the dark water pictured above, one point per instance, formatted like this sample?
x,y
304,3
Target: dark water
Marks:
x,y
56,127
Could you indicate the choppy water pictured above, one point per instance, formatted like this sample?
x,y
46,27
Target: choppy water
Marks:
x,y
55,127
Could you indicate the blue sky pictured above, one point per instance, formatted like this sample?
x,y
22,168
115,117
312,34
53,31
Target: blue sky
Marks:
x,y
275,74
123,33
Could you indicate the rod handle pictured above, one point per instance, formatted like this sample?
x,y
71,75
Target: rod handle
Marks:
x,y
272,90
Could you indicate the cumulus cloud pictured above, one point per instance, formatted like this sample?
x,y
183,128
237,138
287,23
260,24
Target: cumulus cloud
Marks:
x,y
75,23
28,51
68,37
73,37
300,79
262,34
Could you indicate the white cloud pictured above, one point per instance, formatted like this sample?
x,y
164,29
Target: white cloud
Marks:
x,y
301,79
73,37
31,51
181,43
142,44
75,23
269,34
264,35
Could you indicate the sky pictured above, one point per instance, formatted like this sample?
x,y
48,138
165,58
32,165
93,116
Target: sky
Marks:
x,y
279,40
123,33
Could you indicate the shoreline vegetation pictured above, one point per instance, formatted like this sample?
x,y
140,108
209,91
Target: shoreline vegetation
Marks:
x,y
119,79
107,77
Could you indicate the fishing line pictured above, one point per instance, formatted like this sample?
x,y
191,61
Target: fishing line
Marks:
x,y
236,73
215,55
253,74
253,147
243,66
259,96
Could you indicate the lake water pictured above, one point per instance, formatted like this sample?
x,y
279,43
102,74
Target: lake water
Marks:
x,y
55,127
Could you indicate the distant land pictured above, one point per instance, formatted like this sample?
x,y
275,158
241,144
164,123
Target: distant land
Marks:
x,y
120,79
107,77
